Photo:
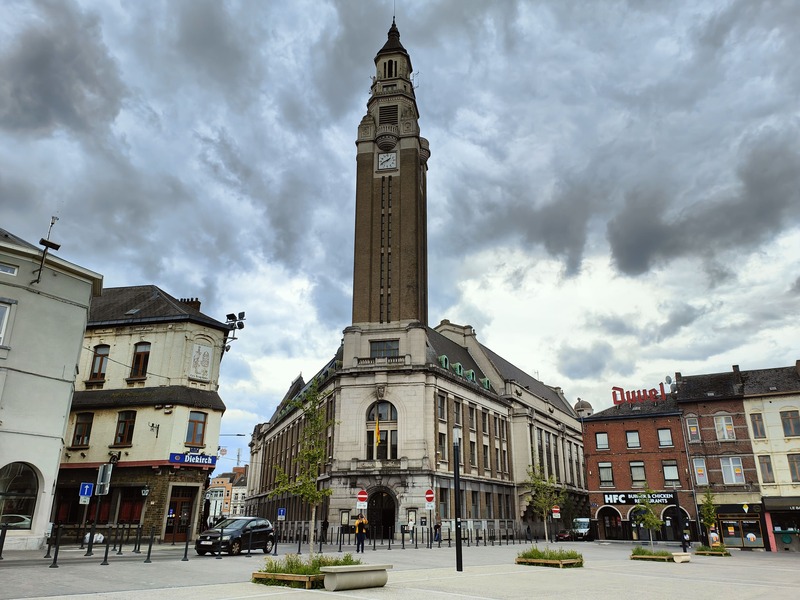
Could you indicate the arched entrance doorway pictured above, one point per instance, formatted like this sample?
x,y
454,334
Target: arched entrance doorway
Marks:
x,y
609,524
381,509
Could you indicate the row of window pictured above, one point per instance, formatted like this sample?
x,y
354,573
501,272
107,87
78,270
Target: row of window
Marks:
x,y
141,356
126,421
724,430
733,473
638,475
632,439
500,425
768,475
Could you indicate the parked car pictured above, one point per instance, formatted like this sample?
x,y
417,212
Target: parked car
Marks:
x,y
564,536
234,534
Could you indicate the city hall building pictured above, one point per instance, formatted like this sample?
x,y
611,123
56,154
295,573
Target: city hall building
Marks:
x,y
398,391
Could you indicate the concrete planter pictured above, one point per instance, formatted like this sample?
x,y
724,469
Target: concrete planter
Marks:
x,y
655,558
354,577
544,562
681,557
712,553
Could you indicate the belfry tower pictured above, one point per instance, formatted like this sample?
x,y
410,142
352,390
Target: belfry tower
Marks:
x,y
390,272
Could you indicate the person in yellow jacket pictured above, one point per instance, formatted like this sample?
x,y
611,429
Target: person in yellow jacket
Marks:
x,y
361,532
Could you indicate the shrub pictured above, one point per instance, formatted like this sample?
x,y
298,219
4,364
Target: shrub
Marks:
x,y
720,548
560,554
639,551
294,564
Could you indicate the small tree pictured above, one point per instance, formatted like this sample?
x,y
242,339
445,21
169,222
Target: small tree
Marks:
x,y
708,514
544,493
310,457
645,516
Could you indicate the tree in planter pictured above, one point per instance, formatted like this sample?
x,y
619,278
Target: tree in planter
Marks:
x,y
310,458
708,514
644,515
544,493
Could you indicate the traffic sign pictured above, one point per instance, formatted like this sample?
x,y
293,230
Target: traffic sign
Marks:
x,y
429,496
86,490
556,511
281,514
362,496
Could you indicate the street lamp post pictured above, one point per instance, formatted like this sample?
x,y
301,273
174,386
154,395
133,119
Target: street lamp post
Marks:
x,y
457,482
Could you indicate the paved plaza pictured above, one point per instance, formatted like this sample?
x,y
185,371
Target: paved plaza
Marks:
x,y
489,572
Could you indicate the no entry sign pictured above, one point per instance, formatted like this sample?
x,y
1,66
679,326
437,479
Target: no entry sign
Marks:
x,y
429,496
362,496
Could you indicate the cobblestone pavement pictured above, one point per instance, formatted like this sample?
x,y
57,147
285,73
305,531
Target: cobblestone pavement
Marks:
x,y
429,573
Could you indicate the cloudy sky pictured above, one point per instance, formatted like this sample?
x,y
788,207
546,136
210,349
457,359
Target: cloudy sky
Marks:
x,y
613,187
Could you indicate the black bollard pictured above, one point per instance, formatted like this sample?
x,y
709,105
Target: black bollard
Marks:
x,y
390,539
373,539
121,538
320,541
448,537
186,549
105,556
341,535
300,542
275,545
150,544
91,539
402,539
249,542
414,535
54,564
137,545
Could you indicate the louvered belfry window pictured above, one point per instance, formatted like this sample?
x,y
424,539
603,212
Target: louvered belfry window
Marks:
x,y
388,115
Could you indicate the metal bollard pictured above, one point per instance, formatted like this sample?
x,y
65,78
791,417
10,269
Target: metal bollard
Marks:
x,y
150,544
299,542
54,564
121,538
276,537
91,539
341,534
186,549
374,539
249,542
137,544
105,556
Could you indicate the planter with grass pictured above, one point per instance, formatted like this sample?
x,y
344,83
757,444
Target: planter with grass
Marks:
x,y
712,551
550,558
293,571
639,553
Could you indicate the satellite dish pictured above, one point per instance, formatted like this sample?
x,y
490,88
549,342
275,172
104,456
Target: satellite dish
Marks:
x,y
668,379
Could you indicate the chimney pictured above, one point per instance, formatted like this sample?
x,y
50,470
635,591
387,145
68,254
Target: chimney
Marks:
x,y
797,367
192,303
737,375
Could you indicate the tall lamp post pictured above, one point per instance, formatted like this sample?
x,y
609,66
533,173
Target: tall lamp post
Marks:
x,y
457,482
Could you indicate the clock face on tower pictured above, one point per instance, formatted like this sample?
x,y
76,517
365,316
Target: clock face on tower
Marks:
x,y
387,161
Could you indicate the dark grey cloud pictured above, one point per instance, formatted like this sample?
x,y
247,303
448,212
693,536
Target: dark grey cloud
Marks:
x,y
585,362
57,73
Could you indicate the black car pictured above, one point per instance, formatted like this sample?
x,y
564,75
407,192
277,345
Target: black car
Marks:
x,y
238,533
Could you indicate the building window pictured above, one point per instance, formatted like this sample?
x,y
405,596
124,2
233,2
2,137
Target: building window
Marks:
x,y
441,404
442,446
473,454
382,431
485,422
141,355
471,413
475,505
606,474
693,429
638,478
633,439
18,491
384,348
601,440
732,472
505,461
457,412
791,422
757,421
196,432
5,310
724,428
664,438
765,465
125,422
99,363
700,473
7,269
83,429
486,464
670,473
794,467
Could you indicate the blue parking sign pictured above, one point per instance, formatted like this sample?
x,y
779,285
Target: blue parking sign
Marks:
x,y
281,514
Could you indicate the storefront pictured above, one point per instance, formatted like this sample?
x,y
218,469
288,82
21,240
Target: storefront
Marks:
x,y
615,519
740,526
782,518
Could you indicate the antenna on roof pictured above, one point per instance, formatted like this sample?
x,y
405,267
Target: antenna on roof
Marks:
x,y
48,245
